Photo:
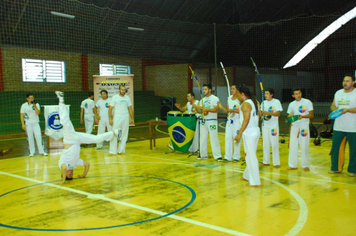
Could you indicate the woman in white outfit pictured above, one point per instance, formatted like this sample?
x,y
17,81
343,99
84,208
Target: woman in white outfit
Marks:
x,y
249,116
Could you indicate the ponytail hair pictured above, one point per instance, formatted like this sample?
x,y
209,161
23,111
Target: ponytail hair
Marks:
x,y
248,94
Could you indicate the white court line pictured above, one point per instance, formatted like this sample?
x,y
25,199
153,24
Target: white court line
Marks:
x,y
303,209
264,172
102,197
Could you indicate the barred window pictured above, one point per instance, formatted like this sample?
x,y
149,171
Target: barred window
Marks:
x,y
112,69
38,70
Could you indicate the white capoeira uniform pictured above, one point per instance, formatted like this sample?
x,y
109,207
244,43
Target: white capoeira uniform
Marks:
x,y
88,105
33,129
195,144
103,106
121,120
209,126
270,131
251,136
231,130
299,133
71,156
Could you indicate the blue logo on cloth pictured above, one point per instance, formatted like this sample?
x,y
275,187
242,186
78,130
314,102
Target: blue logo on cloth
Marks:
x,y
53,121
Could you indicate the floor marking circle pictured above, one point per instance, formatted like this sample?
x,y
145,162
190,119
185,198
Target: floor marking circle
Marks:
x,y
192,199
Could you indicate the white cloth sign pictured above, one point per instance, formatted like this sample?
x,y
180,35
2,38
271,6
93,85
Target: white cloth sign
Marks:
x,y
53,124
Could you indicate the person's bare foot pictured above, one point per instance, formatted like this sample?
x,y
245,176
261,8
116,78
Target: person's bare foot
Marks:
x,y
249,185
291,168
265,164
244,179
277,166
306,169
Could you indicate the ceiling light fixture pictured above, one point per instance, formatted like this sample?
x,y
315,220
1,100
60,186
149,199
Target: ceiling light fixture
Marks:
x,y
321,37
135,29
62,14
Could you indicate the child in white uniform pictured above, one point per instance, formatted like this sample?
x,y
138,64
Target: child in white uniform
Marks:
x,y
70,157
103,116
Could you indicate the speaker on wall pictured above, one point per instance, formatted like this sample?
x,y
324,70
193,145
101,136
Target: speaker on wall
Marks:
x,y
167,104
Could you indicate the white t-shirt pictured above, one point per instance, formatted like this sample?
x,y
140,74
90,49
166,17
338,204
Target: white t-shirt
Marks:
x,y
271,106
191,109
121,105
71,157
252,128
103,106
209,103
30,115
346,122
234,105
302,108
88,105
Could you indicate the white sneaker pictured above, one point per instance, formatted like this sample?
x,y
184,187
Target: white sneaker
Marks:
x,y
31,154
118,133
44,154
59,94
170,146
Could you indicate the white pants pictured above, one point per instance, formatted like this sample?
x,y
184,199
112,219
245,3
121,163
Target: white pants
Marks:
x,y
101,129
121,122
72,137
301,136
33,132
251,172
89,123
270,136
210,127
195,144
231,131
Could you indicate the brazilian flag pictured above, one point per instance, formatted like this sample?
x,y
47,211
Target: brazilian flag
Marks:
x,y
181,130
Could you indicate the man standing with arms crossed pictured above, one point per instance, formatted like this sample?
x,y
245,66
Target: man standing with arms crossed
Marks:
x,y
270,128
344,127
87,109
123,117
103,116
210,108
190,109
299,132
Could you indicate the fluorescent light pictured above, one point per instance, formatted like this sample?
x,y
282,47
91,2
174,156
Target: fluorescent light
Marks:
x,y
321,37
62,14
135,29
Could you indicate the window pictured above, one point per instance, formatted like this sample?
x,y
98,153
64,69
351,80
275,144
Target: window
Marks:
x,y
111,69
38,70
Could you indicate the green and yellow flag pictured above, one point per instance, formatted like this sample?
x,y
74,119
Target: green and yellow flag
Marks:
x,y
181,130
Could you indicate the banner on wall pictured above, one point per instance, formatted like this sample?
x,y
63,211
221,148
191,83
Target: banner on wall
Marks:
x,y
53,124
111,84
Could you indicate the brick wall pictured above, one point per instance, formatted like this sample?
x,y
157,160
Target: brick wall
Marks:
x,y
12,69
168,80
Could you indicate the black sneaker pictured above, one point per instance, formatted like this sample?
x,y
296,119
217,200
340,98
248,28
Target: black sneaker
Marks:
x,y
219,159
235,160
225,160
